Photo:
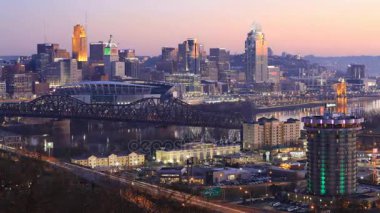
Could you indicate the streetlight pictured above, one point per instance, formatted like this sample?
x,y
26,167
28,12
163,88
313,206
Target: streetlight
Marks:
x,y
250,195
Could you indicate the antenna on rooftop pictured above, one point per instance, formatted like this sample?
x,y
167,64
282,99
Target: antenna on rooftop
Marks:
x,y
45,37
85,21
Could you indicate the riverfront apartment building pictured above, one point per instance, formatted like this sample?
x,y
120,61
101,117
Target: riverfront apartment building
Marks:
x,y
332,155
270,132
199,151
122,160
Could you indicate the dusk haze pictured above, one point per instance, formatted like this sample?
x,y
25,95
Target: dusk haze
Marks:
x,y
189,106
324,27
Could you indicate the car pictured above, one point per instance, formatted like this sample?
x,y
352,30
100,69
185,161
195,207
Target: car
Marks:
x,y
276,204
292,208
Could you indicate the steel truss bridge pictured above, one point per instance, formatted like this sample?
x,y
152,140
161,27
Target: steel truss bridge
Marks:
x,y
148,110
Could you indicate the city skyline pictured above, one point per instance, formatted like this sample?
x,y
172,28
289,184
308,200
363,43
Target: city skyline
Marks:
x,y
328,28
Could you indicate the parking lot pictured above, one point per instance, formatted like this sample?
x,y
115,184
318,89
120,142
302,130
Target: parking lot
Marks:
x,y
271,204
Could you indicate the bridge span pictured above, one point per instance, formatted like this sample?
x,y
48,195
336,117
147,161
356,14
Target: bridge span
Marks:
x,y
148,110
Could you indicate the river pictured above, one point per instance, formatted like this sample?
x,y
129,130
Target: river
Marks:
x,y
65,138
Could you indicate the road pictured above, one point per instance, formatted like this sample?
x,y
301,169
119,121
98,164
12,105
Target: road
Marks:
x,y
154,190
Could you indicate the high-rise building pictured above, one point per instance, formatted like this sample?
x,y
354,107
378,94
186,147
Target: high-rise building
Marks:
x,y
269,133
220,55
331,154
168,54
189,56
222,58
69,72
127,53
63,72
168,62
61,54
111,54
356,71
48,48
256,56
97,52
132,67
209,70
118,68
79,41
22,85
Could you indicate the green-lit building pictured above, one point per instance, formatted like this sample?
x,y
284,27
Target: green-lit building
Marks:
x,y
331,154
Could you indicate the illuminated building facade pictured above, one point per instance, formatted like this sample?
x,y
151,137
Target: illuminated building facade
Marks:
x,y
111,55
122,160
256,56
189,56
112,92
79,41
187,84
199,151
63,72
341,93
270,132
331,154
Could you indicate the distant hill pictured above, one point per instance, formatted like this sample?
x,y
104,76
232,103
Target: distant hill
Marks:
x,y
7,58
372,63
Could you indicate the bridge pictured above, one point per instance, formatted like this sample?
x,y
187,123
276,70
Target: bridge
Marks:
x,y
148,110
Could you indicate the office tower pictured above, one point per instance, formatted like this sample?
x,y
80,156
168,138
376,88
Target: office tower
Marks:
x,y
61,54
69,71
127,53
341,97
22,85
63,72
356,71
168,62
270,133
79,43
49,49
132,67
118,69
274,77
209,70
220,55
168,54
274,74
256,56
97,52
331,154
111,54
189,56
222,58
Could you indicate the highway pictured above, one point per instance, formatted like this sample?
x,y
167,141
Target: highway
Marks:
x,y
154,190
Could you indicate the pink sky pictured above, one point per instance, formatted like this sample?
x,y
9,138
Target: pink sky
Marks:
x,y
323,27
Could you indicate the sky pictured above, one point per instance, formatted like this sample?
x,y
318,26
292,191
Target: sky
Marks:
x,y
322,27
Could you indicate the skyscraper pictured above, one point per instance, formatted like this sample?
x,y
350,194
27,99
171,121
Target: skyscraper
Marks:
x,y
111,54
331,154
97,52
189,56
48,48
127,53
256,56
356,71
79,43
168,62
168,54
